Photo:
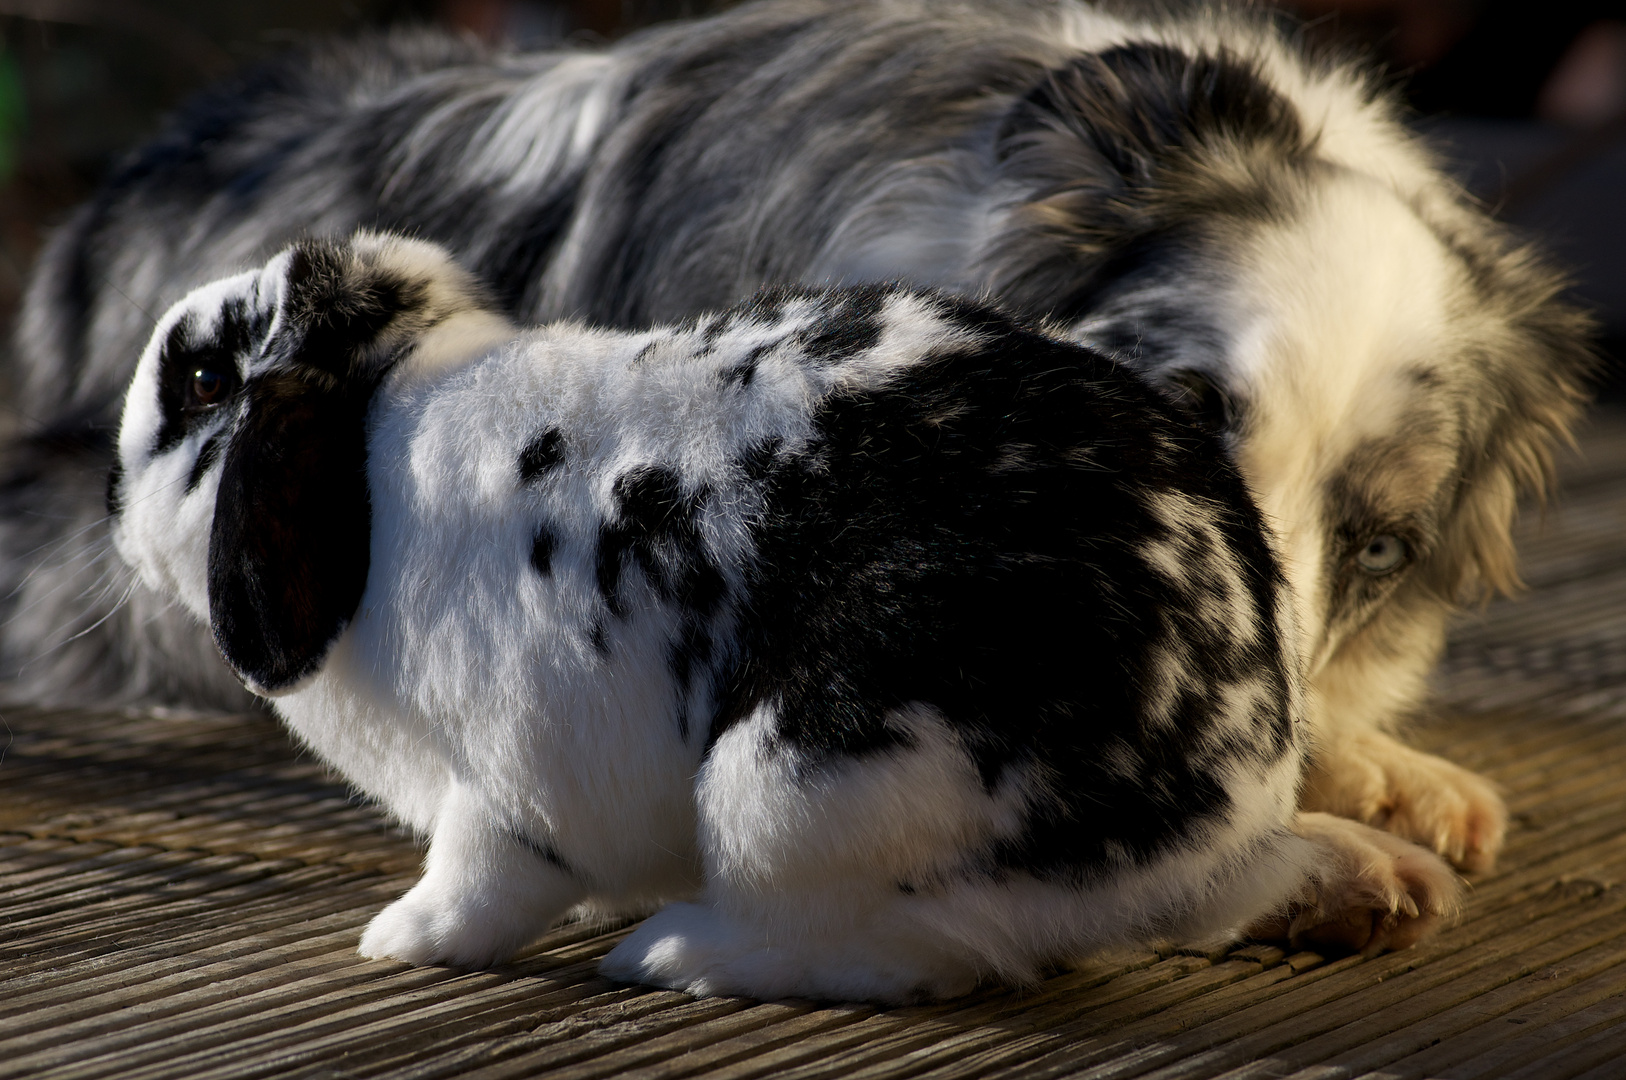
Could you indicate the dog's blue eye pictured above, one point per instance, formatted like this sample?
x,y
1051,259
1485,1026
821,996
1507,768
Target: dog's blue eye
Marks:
x,y
1382,554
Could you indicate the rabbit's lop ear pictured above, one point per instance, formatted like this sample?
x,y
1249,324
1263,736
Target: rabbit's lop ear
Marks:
x,y
288,548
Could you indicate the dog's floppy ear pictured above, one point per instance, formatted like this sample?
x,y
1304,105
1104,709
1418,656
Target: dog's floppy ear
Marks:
x,y
288,548
1136,108
1535,383
1118,145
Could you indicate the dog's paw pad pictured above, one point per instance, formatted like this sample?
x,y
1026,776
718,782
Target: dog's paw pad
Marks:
x,y
1375,779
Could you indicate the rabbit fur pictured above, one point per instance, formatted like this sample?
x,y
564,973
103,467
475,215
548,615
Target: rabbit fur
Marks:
x,y
892,643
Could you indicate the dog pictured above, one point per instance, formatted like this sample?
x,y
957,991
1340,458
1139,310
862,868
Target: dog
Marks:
x,y
1248,225
897,643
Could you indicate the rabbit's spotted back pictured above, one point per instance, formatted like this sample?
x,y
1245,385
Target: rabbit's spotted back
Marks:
x,y
914,643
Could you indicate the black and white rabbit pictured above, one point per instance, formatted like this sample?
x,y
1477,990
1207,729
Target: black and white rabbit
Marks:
x,y
896,643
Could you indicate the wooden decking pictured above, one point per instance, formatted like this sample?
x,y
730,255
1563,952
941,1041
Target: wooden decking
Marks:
x,y
181,896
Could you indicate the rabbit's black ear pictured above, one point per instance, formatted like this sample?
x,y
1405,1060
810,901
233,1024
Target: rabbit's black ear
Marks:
x,y
288,550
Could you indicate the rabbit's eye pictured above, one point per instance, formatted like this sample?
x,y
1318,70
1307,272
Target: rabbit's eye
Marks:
x,y
208,386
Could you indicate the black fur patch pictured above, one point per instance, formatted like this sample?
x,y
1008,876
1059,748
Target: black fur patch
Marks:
x,y
896,565
208,454
542,547
853,327
655,527
612,548
546,852
692,653
540,454
288,552
113,496
741,374
651,500
241,328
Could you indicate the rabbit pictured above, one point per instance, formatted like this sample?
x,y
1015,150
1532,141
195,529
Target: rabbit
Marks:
x,y
890,643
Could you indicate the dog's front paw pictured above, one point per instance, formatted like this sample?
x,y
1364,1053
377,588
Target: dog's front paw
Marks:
x,y
1372,891
1376,779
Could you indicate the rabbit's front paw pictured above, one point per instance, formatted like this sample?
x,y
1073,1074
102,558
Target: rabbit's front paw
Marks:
x,y
698,949
405,930
678,947
471,920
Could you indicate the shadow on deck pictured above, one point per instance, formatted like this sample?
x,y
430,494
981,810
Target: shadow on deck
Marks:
x,y
181,897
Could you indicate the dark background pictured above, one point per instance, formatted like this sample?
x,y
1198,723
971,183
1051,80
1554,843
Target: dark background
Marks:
x,y
1527,99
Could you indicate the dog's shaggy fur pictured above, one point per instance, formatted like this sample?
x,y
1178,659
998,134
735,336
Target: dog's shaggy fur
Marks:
x,y
1251,228
927,646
